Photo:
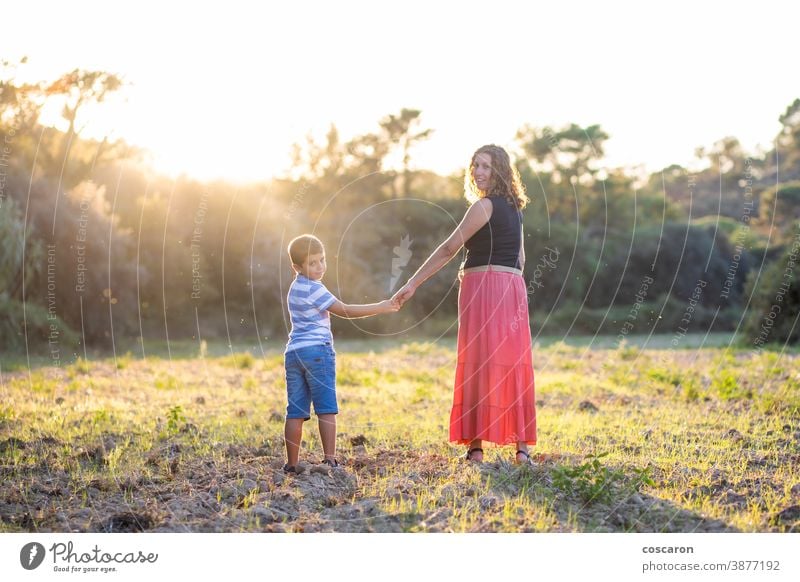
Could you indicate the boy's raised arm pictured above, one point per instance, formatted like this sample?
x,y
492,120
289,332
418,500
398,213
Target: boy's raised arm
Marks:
x,y
363,310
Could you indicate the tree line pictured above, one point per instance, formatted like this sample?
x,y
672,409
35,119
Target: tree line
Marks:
x,y
95,246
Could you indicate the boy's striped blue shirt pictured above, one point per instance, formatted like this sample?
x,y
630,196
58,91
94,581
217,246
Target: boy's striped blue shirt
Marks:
x,y
308,310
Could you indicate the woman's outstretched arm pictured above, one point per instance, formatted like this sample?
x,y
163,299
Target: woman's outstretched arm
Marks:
x,y
477,215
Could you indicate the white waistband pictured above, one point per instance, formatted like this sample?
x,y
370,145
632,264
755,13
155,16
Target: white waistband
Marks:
x,y
499,268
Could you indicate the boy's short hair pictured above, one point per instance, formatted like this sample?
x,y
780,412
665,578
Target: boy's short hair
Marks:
x,y
302,246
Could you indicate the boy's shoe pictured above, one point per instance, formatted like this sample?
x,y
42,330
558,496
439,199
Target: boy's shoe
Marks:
x,y
289,468
331,463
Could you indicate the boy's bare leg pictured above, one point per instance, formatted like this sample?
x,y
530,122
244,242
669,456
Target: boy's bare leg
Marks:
x,y
327,433
293,435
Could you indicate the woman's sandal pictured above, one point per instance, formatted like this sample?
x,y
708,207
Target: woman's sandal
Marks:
x,y
331,463
475,450
528,460
287,468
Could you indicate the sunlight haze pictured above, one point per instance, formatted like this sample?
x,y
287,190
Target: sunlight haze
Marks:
x,y
223,92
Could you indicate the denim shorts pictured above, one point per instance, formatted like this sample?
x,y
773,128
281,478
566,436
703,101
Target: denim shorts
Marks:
x,y
311,377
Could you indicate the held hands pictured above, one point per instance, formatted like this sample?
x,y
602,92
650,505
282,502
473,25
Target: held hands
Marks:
x,y
388,306
404,294
398,299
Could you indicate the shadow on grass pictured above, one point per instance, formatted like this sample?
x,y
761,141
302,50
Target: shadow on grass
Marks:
x,y
182,483
592,502
188,482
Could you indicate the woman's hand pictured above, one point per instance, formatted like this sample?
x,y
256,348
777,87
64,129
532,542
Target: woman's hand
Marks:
x,y
404,294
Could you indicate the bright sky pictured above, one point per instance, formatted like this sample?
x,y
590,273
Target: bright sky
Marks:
x,y
224,89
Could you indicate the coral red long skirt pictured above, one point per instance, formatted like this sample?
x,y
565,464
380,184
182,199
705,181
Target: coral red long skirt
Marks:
x,y
494,398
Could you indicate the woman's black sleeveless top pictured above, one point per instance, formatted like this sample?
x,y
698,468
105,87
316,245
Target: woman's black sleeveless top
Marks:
x,y
497,242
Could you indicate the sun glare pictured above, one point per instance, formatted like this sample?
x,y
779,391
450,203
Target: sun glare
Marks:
x,y
232,108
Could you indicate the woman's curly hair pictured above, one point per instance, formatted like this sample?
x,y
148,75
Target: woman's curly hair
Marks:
x,y
505,180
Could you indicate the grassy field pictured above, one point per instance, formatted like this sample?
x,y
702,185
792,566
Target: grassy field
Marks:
x,y
630,439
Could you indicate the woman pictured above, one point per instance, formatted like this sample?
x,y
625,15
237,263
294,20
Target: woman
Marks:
x,y
494,389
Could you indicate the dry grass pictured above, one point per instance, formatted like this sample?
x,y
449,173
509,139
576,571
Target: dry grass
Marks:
x,y
629,441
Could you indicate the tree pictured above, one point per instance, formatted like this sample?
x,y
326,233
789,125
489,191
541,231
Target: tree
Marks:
x,y
789,142
569,153
22,322
780,206
728,185
401,133
775,303
727,153
78,88
19,108
790,120
17,242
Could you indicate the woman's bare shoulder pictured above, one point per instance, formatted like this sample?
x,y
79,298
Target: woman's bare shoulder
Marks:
x,y
482,206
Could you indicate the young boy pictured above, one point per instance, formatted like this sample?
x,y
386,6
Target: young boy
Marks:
x,y
309,359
